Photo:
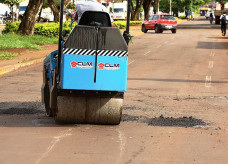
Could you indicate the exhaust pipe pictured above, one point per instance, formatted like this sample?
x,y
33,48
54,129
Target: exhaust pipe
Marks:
x,y
60,39
126,33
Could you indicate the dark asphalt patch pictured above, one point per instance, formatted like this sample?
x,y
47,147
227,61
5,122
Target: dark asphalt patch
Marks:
x,y
20,111
21,108
175,122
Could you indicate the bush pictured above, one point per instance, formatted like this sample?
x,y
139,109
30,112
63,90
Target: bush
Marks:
x,y
52,29
11,27
46,29
182,17
122,24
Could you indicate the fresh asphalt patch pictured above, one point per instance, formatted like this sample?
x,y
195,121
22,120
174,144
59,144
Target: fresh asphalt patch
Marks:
x,y
175,122
166,121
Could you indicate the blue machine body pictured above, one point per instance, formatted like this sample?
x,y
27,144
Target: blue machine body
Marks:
x,y
78,72
91,60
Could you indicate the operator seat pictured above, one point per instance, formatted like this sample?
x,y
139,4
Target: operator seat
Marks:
x,y
95,18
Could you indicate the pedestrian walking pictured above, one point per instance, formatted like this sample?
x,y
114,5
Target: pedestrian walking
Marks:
x,y
223,23
189,14
211,18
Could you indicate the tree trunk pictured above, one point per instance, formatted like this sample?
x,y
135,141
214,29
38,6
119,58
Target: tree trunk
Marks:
x,y
12,15
155,6
146,6
135,11
29,19
17,11
66,2
55,10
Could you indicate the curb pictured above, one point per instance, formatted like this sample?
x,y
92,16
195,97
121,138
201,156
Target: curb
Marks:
x,y
10,68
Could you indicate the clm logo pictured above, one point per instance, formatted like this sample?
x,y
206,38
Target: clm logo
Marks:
x,y
81,65
109,66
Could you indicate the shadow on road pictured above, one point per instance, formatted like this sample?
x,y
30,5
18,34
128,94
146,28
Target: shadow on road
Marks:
x,y
197,26
25,114
177,80
222,37
210,45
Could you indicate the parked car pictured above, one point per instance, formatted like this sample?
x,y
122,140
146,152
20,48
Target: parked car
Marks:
x,y
159,23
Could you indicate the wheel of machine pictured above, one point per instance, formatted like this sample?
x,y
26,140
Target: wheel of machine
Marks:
x,y
47,102
104,110
144,29
174,31
93,110
156,29
70,109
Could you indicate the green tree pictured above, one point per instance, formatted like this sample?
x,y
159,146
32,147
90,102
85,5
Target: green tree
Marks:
x,y
135,9
55,7
29,19
181,5
11,3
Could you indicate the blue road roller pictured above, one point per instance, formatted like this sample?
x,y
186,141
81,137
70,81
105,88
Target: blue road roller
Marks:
x,y
85,79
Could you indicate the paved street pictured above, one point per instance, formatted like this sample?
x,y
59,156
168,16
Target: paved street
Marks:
x,y
175,109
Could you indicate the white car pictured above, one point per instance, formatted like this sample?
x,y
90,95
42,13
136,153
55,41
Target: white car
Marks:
x,y
46,17
208,15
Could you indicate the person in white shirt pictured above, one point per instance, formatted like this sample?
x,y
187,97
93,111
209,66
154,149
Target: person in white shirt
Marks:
x,y
223,23
89,5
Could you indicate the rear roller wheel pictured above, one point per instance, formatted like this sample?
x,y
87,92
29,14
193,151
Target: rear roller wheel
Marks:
x,y
47,103
104,110
89,110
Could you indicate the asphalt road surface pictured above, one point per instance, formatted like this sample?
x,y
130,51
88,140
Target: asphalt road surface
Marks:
x,y
175,109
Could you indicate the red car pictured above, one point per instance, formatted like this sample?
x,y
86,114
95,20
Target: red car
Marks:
x,y
159,23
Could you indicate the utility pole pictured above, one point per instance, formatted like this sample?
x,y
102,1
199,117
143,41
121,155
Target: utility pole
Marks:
x,y
191,10
170,7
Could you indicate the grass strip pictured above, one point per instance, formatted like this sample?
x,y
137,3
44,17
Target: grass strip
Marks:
x,y
30,42
5,55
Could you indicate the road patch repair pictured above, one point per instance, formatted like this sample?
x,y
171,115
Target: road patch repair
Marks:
x,y
161,121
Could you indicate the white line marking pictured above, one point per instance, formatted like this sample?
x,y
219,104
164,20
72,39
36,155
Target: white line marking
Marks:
x,y
208,82
212,53
131,62
122,140
159,46
57,139
211,64
146,53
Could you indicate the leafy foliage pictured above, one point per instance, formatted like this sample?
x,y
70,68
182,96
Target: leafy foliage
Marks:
x,y
46,29
46,5
122,24
11,1
181,5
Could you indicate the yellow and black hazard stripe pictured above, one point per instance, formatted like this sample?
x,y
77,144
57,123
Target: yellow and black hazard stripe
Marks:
x,y
93,52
